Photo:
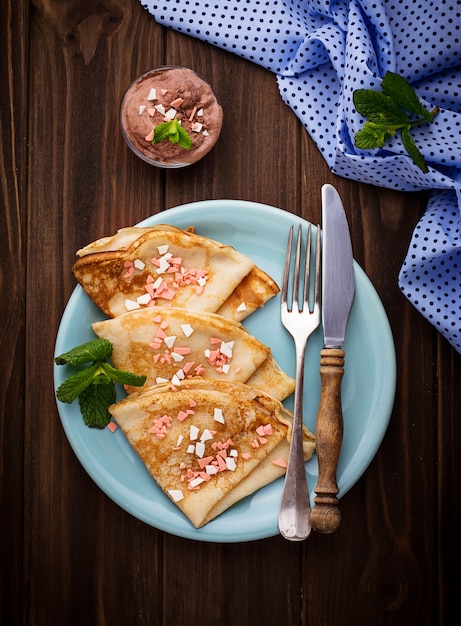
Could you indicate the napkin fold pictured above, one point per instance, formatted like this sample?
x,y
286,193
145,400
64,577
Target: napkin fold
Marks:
x,y
321,51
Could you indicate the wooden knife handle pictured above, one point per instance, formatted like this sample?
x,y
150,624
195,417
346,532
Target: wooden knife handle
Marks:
x,y
326,516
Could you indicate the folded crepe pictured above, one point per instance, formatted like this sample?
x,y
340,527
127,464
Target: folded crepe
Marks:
x,y
164,265
168,344
209,443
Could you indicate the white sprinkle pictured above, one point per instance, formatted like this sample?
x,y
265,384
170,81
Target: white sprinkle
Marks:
x,y
205,133
177,357
191,449
139,265
144,299
200,112
242,307
196,127
226,348
170,340
156,284
160,108
196,482
218,416
200,449
187,329
163,265
193,433
159,380
171,114
131,305
231,464
163,249
176,381
142,108
180,374
211,469
176,494
207,352
152,94
225,368
206,435
233,452
202,281
179,442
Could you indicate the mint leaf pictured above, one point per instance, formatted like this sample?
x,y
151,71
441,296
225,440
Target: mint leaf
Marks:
x,y
374,104
386,113
174,132
124,378
94,350
371,136
94,386
94,403
76,384
413,151
403,94
185,140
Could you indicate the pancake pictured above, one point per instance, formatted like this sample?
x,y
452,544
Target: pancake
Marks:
x,y
209,443
166,266
171,344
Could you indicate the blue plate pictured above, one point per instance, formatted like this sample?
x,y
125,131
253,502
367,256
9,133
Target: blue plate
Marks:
x,y
368,389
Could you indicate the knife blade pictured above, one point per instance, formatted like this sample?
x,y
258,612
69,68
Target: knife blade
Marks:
x,y
338,292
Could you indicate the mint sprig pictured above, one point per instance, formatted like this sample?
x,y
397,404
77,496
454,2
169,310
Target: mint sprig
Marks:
x,y
173,132
94,386
395,108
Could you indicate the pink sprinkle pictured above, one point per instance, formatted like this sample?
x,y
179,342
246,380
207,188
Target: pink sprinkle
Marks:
x,y
215,340
192,402
192,115
205,461
246,455
260,430
180,350
187,366
268,429
168,294
112,426
279,463
157,319
182,416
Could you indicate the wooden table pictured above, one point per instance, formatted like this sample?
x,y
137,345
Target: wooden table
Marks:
x,y
70,555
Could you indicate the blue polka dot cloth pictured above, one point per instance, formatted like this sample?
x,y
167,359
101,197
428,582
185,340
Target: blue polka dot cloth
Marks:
x,y
321,51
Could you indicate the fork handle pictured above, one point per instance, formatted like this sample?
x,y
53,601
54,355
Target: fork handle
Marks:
x,y
326,516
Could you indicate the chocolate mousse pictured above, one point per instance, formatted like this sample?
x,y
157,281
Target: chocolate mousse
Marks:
x,y
153,106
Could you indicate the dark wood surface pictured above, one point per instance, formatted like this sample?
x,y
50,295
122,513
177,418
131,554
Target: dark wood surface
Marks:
x,y
69,555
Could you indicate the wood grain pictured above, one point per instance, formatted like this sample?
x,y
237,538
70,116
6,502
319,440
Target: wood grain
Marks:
x,y
68,553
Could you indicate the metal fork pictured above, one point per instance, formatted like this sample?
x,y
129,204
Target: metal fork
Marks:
x,y
300,320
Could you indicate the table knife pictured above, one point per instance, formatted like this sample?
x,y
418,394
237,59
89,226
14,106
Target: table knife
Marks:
x,y
338,291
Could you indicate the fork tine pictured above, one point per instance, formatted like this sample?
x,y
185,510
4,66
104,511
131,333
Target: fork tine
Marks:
x,y
307,270
299,241
286,269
